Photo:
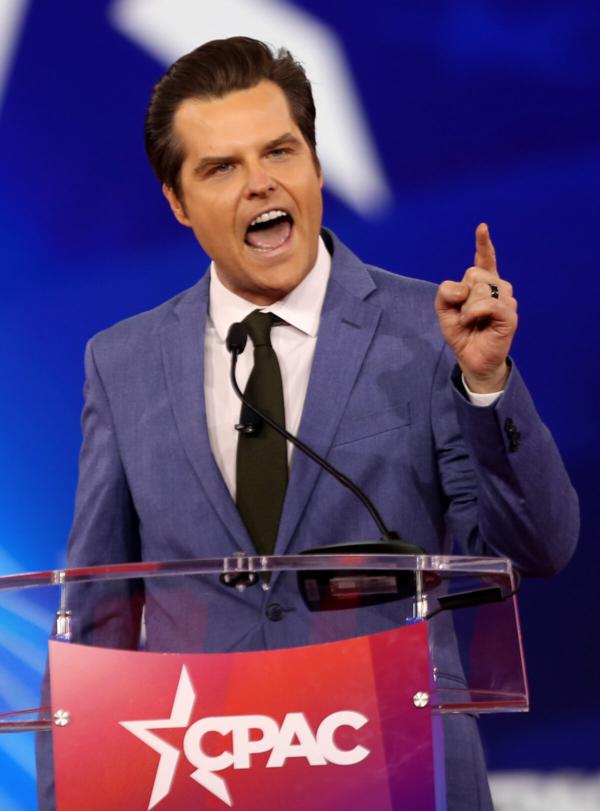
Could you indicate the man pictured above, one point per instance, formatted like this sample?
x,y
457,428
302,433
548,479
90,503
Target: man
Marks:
x,y
427,413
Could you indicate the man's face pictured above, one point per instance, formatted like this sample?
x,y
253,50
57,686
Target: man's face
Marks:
x,y
245,158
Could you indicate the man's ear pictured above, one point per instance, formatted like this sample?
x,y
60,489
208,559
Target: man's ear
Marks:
x,y
319,169
176,207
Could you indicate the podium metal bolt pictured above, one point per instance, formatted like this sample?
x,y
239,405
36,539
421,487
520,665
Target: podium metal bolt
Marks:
x,y
421,699
62,718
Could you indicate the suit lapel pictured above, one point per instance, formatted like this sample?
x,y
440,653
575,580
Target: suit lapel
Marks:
x,y
346,329
182,341
347,326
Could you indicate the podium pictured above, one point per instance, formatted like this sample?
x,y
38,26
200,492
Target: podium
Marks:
x,y
321,681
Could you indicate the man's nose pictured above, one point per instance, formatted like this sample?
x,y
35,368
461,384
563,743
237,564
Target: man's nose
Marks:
x,y
259,182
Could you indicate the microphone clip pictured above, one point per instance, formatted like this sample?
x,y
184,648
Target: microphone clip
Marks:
x,y
250,423
247,428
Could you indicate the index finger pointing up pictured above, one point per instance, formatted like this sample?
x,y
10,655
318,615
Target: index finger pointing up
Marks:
x,y
485,255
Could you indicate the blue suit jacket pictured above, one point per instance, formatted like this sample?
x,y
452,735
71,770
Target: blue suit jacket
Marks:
x,y
381,406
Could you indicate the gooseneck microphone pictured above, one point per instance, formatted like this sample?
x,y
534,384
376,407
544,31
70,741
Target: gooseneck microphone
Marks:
x,y
320,596
250,422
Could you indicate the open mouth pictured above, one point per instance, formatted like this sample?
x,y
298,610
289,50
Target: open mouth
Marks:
x,y
269,230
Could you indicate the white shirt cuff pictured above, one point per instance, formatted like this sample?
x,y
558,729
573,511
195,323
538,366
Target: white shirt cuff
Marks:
x,y
481,400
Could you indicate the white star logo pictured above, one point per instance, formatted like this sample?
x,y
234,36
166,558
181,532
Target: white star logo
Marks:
x,y
181,713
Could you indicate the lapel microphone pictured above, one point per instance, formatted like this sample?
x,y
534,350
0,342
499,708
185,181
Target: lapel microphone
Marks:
x,y
236,340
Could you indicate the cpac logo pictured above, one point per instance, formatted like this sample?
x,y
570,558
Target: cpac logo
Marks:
x,y
250,735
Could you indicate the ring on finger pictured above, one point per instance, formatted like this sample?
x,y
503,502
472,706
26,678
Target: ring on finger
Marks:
x,y
494,291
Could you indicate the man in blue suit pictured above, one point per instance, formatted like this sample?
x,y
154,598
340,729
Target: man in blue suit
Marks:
x,y
423,410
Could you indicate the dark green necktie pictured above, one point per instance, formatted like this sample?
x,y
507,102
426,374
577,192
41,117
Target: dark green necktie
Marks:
x,y
262,457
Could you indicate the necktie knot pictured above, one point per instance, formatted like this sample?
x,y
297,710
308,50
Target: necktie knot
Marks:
x,y
259,327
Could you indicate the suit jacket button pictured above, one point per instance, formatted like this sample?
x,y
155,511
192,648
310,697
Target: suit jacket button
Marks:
x,y
274,612
513,435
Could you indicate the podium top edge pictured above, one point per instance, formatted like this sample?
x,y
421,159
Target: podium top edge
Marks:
x,y
446,565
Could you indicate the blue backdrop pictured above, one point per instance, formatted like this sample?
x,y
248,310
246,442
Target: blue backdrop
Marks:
x,y
467,111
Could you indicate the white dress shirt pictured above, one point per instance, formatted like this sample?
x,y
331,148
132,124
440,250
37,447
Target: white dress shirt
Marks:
x,y
294,343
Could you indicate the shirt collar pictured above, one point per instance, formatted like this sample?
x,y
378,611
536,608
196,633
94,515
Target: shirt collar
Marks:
x,y
301,307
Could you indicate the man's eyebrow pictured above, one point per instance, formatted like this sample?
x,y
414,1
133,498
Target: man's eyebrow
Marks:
x,y
286,138
212,160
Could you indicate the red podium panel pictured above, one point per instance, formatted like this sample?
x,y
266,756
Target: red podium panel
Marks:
x,y
207,708
329,727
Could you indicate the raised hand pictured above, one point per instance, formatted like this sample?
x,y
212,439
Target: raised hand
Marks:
x,y
478,318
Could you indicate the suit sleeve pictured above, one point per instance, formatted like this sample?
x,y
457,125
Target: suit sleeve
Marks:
x,y
104,531
105,526
507,490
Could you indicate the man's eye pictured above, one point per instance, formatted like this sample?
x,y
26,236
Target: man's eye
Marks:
x,y
278,153
222,168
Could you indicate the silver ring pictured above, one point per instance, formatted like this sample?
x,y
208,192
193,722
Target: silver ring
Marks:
x,y
494,291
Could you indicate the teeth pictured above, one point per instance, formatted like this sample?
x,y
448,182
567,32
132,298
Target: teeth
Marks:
x,y
269,215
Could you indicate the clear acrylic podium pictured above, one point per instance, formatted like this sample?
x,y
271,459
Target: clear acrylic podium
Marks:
x,y
241,682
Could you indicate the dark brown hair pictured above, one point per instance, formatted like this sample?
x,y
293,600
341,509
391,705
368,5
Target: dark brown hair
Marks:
x,y
212,71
